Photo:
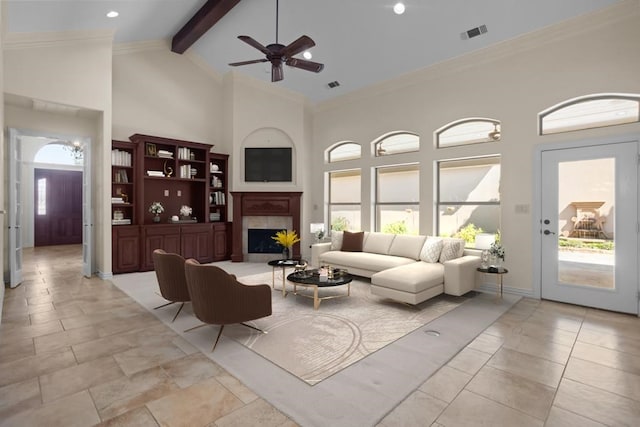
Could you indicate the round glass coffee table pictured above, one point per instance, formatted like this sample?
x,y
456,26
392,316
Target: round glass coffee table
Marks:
x,y
311,279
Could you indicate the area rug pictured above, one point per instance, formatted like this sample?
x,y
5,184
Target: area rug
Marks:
x,y
315,344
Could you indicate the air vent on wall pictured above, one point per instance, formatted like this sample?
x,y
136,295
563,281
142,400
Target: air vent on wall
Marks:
x,y
333,84
474,32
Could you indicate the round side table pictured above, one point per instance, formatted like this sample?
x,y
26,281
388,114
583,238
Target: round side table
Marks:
x,y
498,271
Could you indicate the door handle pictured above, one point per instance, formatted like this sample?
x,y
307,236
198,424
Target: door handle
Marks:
x,y
547,232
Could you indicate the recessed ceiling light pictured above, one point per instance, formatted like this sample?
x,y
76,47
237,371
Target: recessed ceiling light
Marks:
x,y
307,55
398,8
112,14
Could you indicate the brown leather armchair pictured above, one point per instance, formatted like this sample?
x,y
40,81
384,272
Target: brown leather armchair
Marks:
x,y
219,299
171,279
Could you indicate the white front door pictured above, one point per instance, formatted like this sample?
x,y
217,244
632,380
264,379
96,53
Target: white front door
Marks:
x,y
589,226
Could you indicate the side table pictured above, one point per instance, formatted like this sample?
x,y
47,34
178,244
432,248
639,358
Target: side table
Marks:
x,y
498,271
284,263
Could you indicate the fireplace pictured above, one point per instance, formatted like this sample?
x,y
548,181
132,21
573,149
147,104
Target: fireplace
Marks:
x,y
263,210
259,241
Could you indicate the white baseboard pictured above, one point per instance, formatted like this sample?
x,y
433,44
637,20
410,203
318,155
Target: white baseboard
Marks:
x,y
105,276
491,288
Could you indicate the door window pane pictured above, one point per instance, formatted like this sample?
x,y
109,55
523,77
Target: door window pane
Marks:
x,y
586,229
42,196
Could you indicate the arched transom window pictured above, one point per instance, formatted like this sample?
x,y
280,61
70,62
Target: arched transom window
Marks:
x,y
344,151
592,111
468,131
396,143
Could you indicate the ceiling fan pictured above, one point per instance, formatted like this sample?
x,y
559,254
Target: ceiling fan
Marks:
x,y
279,54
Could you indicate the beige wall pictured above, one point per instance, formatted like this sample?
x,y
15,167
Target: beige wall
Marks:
x,y
2,165
72,69
511,82
157,92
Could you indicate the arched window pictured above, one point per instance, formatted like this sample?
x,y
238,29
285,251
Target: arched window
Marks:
x,y
587,112
468,131
344,151
395,143
59,154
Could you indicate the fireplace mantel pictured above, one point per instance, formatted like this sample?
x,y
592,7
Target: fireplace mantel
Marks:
x,y
250,203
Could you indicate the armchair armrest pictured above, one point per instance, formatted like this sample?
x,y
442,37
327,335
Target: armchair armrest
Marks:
x,y
316,250
460,275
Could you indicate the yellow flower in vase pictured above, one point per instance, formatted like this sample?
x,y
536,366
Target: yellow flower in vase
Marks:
x,y
286,239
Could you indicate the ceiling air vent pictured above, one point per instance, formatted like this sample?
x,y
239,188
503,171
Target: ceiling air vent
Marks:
x,y
333,84
474,32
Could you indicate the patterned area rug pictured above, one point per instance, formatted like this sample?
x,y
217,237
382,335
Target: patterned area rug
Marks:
x,y
314,345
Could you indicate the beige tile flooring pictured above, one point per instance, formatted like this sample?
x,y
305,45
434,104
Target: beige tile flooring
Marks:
x,y
78,352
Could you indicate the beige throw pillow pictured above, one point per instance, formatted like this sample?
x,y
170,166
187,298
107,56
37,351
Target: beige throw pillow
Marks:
x,y
336,240
451,249
431,250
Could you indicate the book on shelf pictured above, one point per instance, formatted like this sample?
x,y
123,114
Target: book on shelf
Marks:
x,y
121,176
126,221
165,154
155,173
120,158
117,200
217,198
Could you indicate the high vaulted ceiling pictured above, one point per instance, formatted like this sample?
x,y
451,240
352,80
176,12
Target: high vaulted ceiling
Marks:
x,y
361,42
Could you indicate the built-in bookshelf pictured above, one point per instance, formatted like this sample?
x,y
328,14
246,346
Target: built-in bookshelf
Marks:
x,y
218,189
123,191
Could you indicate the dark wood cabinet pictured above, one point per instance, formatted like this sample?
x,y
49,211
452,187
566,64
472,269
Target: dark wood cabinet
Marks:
x,y
221,241
164,236
196,241
126,248
174,173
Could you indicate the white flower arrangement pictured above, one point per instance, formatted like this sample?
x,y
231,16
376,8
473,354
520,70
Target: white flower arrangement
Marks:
x,y
185,210
497,250
156,208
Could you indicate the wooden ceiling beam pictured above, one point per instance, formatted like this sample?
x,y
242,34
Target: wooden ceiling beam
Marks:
x,y
200,23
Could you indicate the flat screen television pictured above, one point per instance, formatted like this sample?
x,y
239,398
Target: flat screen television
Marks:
x,y
267,164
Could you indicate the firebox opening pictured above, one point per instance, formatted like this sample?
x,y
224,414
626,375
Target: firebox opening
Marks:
x,y
260,241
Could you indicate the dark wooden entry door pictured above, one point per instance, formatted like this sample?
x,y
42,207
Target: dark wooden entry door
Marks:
x,y
57,207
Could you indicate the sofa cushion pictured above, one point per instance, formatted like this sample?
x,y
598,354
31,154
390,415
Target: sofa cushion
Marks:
x,y
378,243
363,260
407,246
452,249
431,250
352,242
336,240
414,277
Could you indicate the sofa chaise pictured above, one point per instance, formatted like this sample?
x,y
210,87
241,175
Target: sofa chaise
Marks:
x,y
405,268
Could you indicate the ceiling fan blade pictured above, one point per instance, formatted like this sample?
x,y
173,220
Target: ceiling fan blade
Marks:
x,y
248,40
301,44
303,64
276,72
254,61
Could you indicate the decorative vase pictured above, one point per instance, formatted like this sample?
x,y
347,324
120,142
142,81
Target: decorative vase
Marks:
x,y
285,253
156,218
495,261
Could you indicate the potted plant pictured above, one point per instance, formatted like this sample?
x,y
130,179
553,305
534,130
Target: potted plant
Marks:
x,y
156,209
286,239
185,211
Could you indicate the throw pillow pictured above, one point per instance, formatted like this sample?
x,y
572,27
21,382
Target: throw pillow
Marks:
x,y
336,240
352,242
431,250
452,249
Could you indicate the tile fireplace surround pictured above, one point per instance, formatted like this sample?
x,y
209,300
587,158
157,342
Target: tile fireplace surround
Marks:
x,y
262,210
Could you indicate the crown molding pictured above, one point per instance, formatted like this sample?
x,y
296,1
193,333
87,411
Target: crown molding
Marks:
x,y
586,23
55,39
141,46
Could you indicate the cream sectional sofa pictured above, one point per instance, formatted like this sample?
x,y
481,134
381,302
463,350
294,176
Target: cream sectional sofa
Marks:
x,y
406,268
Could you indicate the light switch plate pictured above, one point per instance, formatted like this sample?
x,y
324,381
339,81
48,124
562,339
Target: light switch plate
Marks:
x,y
166,193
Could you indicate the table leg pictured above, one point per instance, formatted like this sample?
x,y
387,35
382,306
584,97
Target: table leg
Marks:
x,y
273,277
500,285
316,301
284,273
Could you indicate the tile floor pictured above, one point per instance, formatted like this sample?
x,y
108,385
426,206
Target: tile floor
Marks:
x,y
78,352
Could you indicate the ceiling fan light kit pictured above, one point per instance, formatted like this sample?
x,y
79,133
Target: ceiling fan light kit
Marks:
x,y
279,54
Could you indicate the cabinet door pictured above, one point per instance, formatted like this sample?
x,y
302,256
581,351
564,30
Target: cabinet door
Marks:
x,y
126,249
166,237
196,242
220,242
